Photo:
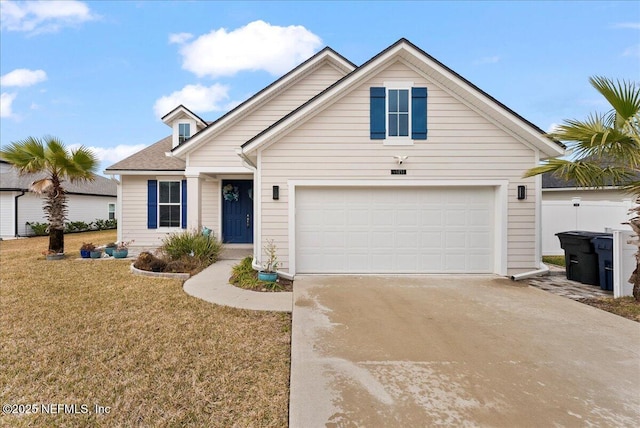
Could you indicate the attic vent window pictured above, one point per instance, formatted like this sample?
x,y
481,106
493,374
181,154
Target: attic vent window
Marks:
x,y
184,132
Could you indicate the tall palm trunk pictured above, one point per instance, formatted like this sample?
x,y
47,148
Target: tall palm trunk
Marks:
x,y
56,208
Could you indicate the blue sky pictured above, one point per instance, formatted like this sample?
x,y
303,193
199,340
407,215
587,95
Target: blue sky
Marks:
x,y
102,73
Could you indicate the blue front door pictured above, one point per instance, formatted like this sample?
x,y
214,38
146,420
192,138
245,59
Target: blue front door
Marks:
x,y
237,211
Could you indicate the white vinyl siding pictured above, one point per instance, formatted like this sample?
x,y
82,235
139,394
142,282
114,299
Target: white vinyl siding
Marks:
x,y
221,150
7,214
133,224
85,208
462,145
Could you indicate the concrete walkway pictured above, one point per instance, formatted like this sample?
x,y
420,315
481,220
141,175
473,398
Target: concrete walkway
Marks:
x,y
212,285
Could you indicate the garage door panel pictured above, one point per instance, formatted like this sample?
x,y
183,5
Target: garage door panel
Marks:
x,y
394,230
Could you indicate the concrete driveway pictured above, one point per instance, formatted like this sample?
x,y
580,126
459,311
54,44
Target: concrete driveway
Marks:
x,y
457,351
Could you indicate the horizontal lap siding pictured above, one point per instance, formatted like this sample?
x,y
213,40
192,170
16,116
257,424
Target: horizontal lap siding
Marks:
x,y
210,197
221,151
461,144
134,213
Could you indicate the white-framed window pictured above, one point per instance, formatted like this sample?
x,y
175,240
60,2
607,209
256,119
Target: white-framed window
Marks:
x,y
398,113
169,208
112,211
184,132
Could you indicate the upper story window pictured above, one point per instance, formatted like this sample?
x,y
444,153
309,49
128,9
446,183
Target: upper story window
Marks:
x,y
398,113
184,132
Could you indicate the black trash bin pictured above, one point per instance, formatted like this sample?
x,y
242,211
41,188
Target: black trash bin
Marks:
x,y
580,257
603,246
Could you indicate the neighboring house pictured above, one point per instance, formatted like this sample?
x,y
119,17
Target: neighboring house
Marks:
x,y
313,162
566,207
85,201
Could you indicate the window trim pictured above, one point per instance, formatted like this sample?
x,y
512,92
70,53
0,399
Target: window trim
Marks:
x,y
393,140
179,204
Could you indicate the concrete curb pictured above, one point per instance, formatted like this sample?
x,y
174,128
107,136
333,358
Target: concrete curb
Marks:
x,y
162,275
212,285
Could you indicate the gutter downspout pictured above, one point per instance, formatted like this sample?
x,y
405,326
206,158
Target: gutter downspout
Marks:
x,y
15,213
544,269
250,165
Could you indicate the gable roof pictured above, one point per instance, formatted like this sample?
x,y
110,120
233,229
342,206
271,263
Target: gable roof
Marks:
x,y
439,73
326,55
150,158
182,111
11,179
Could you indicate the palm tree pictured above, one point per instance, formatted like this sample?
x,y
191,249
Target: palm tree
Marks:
x,y
51,157
606,148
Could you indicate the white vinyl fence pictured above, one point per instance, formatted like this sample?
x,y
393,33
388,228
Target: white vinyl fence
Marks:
x,y
576,214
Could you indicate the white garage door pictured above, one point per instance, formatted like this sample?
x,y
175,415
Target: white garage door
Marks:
x,y
394,230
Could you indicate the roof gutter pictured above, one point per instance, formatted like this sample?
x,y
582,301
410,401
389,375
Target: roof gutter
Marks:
x,y
15,213
245,160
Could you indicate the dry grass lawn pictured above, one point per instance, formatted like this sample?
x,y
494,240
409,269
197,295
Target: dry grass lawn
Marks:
x,y
90,333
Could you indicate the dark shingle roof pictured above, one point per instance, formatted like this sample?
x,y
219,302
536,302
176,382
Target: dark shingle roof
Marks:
x,y
151,158
10,179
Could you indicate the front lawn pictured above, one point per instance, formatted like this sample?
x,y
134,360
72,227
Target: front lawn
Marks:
x,y
554,260
90,333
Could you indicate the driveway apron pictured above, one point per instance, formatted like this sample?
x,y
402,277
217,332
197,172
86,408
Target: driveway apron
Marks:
x,y
457,351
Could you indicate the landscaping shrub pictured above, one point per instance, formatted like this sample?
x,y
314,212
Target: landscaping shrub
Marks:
x,y
244,276
39,229
188,252
205,249
149,262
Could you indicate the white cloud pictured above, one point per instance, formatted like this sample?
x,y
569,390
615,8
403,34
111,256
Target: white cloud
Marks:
x,y
196,98
23,77
633,51
6,100
632,25
42,16
112,154
180,38
487,60
256,46
552,128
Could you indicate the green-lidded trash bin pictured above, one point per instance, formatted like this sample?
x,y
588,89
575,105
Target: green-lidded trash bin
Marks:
x,y
603,246
580,257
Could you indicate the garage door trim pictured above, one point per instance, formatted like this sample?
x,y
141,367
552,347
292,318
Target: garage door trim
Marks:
x,y
500,208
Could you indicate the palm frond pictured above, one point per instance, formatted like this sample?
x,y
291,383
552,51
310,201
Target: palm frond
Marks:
x,y
584,173
26,155
622,95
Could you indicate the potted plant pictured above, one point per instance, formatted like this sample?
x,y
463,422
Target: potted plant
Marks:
x,y
86,249
52,255
122,250
110,247
96,253
270,266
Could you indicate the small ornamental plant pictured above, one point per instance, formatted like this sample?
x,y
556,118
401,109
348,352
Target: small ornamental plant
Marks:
x,y
87,246
270,265
124,245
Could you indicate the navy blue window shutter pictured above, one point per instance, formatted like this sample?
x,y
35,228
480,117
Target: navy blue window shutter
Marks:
x,y
377,113
184,204
152,204
419,113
